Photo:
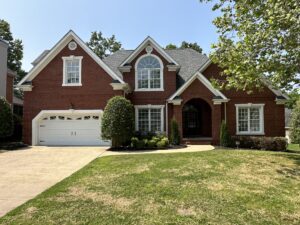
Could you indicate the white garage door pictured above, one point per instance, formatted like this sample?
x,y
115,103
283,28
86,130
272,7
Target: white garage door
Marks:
x,y
70,130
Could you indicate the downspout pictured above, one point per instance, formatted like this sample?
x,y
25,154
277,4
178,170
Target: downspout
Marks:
x,y
225,112
167,132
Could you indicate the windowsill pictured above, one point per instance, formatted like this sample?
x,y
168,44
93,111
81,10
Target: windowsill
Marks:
x,y
247,134
140,90
71,85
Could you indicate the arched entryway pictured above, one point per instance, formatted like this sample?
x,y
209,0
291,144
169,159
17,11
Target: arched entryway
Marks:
x,y
196,119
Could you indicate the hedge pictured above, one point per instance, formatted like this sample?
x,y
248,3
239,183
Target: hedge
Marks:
x,y
260,143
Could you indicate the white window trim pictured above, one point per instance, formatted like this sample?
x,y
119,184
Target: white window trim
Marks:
x,y
71,57
161,107
161,75
261,121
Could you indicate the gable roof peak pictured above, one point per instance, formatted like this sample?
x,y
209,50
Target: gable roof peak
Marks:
x,y
70,35
143,45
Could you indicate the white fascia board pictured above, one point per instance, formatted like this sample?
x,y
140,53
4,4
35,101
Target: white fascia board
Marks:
x,y
57,48
203,80
154,44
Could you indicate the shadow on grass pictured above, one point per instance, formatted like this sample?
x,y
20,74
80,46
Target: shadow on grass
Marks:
x,y
289,171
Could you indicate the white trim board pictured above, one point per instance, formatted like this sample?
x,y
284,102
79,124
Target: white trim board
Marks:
x,y
143,45
35,121
57,48
203,80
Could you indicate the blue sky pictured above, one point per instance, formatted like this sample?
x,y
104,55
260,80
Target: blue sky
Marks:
x,y
40,24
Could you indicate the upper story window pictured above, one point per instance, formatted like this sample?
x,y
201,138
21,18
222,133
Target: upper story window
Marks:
x,y
72,71
149,74
250,119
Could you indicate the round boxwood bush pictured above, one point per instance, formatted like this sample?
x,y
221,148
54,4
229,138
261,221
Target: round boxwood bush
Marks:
x,y
6,119
118,121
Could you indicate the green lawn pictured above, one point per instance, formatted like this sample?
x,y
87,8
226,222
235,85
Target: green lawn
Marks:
x,y
214,187
294,147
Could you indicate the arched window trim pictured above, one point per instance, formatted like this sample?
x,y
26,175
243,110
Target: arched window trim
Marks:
x,y
161,75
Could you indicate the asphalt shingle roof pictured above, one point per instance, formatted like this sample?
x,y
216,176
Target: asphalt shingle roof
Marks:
x,y
189,60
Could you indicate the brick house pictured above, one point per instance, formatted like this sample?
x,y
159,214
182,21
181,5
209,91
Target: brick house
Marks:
x,y
67,90
7,78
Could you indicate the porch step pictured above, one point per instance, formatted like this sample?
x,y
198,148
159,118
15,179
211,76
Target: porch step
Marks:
x,y
197,141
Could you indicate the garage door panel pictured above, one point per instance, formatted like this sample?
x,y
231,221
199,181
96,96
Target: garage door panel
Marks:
x,y
67,130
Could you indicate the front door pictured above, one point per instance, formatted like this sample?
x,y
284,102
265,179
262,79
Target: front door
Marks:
x,y
191,121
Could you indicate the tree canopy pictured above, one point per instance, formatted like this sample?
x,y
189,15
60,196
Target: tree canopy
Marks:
x,y
294,96
184,45
295,124
103,46
15,50
258,39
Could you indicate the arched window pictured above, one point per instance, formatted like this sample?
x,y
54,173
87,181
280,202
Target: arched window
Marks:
x,y
149,75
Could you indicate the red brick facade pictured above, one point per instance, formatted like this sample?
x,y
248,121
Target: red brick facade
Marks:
x,y
49,94
10,88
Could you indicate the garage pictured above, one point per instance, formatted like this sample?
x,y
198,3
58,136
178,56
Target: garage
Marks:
x,y
70,129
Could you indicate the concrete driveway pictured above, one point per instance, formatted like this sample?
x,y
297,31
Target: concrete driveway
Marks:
x,y
26,173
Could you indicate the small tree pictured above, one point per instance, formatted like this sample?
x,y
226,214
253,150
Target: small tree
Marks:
x,y
175,136
6,119
295,124
118,121
225,138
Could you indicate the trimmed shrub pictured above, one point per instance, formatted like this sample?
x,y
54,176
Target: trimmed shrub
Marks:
x,y
6,119
159,141
174,136
225,139
261,143
134,142
152,143
295,124
118,121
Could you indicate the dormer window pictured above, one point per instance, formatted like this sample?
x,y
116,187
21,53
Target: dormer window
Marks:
x,y
72,71
149,74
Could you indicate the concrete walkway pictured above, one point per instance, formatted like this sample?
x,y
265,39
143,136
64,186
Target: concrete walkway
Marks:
x,y
189,148
26,173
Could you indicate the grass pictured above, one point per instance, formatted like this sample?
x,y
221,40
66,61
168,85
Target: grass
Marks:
x,y
294,147
214,187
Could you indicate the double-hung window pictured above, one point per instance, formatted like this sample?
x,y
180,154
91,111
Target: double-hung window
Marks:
x,y
149,75
149,118
72,71
250,119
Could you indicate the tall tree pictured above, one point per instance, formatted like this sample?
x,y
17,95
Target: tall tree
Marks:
x,y
295,124
258,39
103,46
15,50
294,96
184,45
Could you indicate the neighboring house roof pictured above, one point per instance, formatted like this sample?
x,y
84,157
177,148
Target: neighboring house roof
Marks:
x,y
17,101
40,57
288,116
57,48
11,72
190,61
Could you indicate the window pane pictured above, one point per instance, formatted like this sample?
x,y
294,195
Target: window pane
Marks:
x,y
155,120
148,62
243,119
254,119
72,71
143,119
142,78
155,78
